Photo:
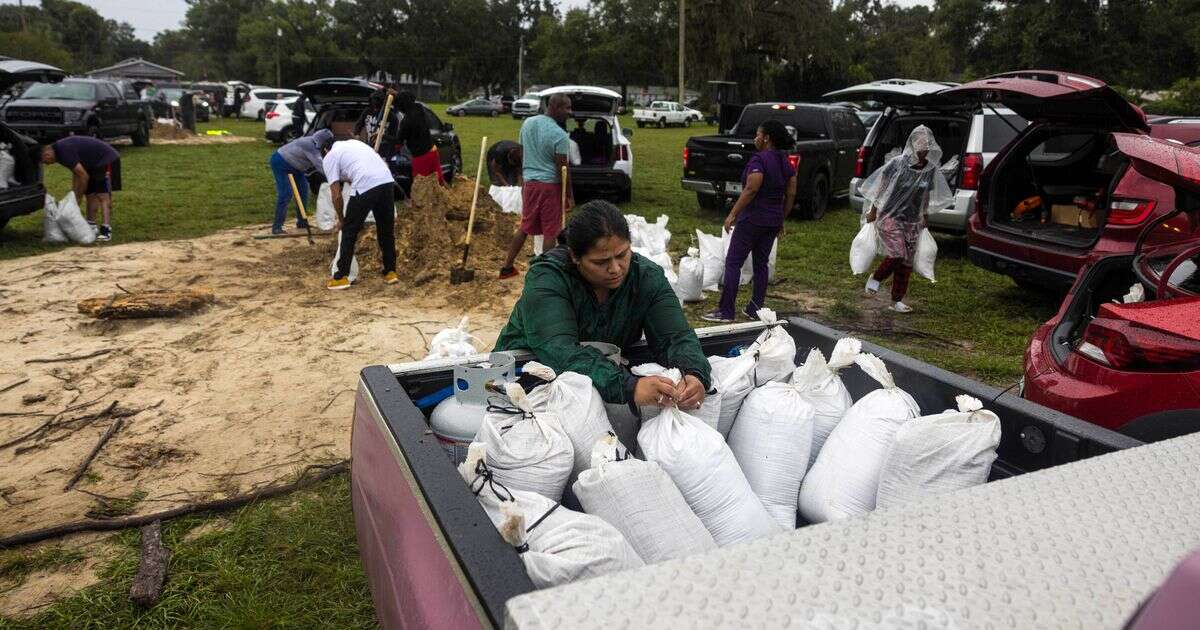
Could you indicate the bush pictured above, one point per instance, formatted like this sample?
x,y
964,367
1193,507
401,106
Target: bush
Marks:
x,y
1183,101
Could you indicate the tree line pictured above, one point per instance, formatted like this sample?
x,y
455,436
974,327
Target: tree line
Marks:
x,y
784,49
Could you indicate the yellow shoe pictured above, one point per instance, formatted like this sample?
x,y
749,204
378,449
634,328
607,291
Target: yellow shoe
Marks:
x,y
391,278
337,284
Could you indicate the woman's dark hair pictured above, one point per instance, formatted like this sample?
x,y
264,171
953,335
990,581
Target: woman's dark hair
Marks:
x,y
591,222
406,102
778,134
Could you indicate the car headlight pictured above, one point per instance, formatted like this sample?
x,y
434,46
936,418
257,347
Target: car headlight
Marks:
x,y
174,103
71,115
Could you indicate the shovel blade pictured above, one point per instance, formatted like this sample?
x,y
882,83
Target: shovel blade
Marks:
x,y
459,275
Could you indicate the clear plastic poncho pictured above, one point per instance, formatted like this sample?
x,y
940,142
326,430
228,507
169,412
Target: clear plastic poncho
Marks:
x,y
902,193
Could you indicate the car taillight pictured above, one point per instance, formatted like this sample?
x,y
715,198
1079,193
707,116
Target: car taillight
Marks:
x,y
685,156
245,99
1123,345
271,115
1129,211
794,160
860,163
623,154
972,169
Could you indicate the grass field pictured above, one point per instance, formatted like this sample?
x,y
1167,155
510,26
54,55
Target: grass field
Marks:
x,y
292,562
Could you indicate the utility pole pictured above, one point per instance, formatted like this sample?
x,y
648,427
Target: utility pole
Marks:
x,y
278,74
521,68
681,14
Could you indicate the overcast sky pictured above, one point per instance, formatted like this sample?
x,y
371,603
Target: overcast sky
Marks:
x,y
151,16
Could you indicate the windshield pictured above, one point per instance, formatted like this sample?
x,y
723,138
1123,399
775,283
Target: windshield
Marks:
x,y
171,93
62,91
808,122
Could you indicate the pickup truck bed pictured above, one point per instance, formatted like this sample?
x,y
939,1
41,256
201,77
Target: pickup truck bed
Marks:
x,y
434,559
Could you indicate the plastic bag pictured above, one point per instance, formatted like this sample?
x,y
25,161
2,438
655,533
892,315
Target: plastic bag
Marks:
x,y
703,468
353,275
940,453
51,232
845,478
712,258
526,450
326,218
709,411
640,500
1137,293
557,545
690,285
507,197
8,166
927,250
863,249
72,222
453,342
776,350
771,441
820,386
578,405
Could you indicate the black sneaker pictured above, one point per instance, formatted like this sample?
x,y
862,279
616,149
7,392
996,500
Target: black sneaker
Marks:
x,y
508,272
104,233
717,317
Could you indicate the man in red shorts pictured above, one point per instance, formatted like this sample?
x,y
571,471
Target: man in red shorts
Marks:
x,y
546,151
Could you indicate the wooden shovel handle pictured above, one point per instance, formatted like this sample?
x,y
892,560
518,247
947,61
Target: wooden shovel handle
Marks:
x,y
475,194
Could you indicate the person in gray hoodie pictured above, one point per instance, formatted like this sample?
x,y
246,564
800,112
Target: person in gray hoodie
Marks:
x,y
298,158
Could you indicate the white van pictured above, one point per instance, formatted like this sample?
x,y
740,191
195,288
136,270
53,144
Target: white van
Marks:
x,y
605,165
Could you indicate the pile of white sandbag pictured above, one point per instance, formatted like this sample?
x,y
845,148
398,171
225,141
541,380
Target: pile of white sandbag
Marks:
x,y
62,222
712,256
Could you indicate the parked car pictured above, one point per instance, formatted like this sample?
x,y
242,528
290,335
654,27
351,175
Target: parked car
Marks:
x,y
827,137
254,103
663,113
29,194
475,107
166,103
279,121
337,104
969,135
423,536
526,106
506,101
605,167
1056,193
94,107
231,88
1132,367
1182,130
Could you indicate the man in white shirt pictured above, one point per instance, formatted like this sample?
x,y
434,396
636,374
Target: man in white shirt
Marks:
x,y
372,187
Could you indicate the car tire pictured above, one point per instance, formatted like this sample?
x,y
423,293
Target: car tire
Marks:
x,y
641,124
93,130
662,123
687,122
456,163
259,117
495,113
141,137
816,198
516,117
1163,425
710,202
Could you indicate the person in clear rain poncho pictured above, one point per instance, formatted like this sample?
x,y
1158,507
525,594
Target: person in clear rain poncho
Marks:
x,y
898,196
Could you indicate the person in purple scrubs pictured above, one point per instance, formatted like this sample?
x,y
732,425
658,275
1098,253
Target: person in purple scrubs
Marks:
x,y
756,220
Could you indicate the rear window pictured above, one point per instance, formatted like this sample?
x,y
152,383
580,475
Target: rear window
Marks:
x,y
998,133
1061,147
808,122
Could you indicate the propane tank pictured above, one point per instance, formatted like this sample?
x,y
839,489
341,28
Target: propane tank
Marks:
x,y
456,420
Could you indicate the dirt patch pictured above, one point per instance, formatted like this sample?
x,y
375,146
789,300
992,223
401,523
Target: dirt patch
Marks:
x,y
163,131
44,587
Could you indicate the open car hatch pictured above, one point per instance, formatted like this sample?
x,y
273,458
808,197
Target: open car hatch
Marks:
x,y
1059,97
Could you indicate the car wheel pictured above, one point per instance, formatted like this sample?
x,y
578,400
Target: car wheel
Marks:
x,y
495,113
141,137
460,113
93,130
259,117
641,124
457,163
516,117
662,123
710,202
817,198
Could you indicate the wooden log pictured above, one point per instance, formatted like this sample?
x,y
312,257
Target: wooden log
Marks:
x,y
152,567
147,304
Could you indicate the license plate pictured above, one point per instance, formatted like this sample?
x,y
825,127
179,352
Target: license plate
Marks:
x,y
733,187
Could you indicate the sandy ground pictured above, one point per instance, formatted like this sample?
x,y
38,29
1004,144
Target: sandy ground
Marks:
x,y
243,393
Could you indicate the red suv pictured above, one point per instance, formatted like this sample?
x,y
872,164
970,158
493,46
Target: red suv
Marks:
x,y
1123,351
1059,192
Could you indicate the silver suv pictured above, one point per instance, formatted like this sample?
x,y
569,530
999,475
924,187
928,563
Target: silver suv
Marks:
x,y
970,136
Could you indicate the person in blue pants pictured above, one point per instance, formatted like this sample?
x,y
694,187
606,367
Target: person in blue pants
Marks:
x,y
298,158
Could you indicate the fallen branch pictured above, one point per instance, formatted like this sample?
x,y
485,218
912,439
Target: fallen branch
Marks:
x,y
112,429
335,397
77,357
45,426
152,567
219,505
13,384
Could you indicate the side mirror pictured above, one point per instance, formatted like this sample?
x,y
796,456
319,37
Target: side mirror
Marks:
x,y
628,133
447,127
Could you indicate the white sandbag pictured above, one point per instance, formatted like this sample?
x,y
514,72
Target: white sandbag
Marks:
x,y
326,218
526,450
453,342
640,500
51,232
940,453
353,275
820,386
709,411
690,285
712,258
771,441
776,350
863,249
72,223
845,478
1137,292
662,259
926,256
579,407
507,197
697,459
734,379
8,167
651,237
557,545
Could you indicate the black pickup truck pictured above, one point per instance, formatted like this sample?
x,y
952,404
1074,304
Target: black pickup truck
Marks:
x,y
827,141
94,107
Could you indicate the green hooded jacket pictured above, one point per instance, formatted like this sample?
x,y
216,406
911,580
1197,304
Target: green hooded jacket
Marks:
x,y
558,309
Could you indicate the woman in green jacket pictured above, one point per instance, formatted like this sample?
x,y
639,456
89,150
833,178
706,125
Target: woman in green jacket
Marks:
x,y
592,287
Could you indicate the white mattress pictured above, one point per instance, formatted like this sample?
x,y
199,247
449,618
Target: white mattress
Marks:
x,y
1075,546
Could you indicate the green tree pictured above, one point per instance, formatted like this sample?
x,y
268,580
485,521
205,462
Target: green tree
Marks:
x,y
35,45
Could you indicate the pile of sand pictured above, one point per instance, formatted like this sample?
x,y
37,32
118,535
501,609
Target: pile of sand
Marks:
x,y
163,131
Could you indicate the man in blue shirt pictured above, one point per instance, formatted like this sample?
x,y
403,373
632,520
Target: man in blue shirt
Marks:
x,y
546,151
